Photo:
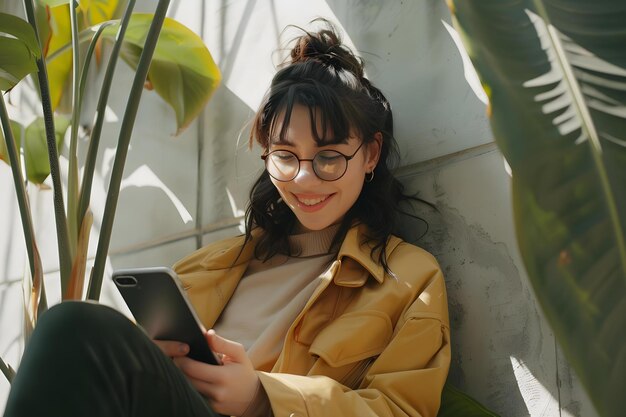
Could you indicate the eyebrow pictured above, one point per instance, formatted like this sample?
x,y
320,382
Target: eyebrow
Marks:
x,y
285,142
280,141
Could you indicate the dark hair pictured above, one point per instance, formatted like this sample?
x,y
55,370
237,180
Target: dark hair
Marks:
x,y
325,76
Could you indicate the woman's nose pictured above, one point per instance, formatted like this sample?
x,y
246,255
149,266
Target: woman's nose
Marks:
x,y
306,173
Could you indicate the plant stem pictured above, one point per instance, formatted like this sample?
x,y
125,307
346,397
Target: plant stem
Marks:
x,y
38,302
20,190
83,36
72,181
65,260
6,369
94,142
126,129
82,205
200,156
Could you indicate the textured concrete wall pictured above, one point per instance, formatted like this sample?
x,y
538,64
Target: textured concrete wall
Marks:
x,y
190,189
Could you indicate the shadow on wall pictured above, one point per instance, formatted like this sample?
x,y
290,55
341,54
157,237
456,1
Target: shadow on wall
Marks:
x,y
489,315
229,166
503,352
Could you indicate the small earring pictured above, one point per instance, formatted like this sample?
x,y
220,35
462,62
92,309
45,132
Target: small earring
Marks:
x,y
371,176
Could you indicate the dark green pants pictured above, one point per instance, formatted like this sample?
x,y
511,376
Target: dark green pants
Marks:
x,y
89,360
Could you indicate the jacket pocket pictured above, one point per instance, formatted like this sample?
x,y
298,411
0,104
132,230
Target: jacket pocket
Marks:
x,y
352,337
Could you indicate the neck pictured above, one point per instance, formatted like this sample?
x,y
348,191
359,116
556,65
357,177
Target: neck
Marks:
x,y
313,242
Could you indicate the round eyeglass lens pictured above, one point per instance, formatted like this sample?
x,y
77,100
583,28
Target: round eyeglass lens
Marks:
x,y
329,165
282,165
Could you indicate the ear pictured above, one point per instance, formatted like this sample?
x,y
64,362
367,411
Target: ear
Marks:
x,y
373,151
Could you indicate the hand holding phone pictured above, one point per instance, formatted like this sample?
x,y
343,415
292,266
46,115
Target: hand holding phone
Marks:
x,y
159,305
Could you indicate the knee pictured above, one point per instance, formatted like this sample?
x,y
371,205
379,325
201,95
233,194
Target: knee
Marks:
x,y
73,319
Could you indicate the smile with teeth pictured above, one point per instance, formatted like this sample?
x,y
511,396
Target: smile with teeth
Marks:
x,y
311,201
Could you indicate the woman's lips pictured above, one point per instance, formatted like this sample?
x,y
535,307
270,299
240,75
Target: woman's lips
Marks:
x,y
312,202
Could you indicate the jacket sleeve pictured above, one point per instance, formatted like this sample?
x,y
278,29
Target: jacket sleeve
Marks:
x,y
406,379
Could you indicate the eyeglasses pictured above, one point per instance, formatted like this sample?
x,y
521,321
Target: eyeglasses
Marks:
x,y
328,165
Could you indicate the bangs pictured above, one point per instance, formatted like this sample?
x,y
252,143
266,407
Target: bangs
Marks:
x,y
330,122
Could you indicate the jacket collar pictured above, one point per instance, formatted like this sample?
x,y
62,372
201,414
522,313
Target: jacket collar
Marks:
x,y
356,263
231,253
355,255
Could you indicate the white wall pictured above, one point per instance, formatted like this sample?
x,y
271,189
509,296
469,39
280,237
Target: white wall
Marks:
x,y
504,352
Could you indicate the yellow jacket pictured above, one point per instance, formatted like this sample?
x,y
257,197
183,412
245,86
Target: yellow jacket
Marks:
x,y
366,343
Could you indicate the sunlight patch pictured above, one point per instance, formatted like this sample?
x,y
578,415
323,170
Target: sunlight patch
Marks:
x,y
470,73
145,177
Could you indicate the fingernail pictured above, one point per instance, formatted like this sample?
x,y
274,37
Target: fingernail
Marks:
x,y
183,348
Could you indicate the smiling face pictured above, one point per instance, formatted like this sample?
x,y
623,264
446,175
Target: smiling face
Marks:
x,y
316,203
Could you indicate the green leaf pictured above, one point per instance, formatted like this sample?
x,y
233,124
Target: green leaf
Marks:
x,y
60,68
183,72
98,11
16,128
16,62
20,50
455,403
555,73
55,32
19,29
54,3
42,20
36,151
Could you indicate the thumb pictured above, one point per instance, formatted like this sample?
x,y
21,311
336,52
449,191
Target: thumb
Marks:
x,y
234,351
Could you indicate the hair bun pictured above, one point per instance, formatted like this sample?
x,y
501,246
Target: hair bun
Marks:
x,y
325,46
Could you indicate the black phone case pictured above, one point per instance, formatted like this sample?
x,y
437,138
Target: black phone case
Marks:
x,y
159,305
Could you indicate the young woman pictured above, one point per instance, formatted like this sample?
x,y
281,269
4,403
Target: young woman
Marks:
x,y
318,310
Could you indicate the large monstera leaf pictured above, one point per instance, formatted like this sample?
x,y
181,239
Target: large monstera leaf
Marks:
x,y
555,74
182,71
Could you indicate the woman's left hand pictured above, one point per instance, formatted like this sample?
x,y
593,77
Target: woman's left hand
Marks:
x,y
229,388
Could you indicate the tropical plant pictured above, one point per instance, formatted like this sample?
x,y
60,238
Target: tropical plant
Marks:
x,y
555,75
61,42
455,403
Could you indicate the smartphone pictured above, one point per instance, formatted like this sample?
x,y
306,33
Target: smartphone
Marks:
x,y
157,300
